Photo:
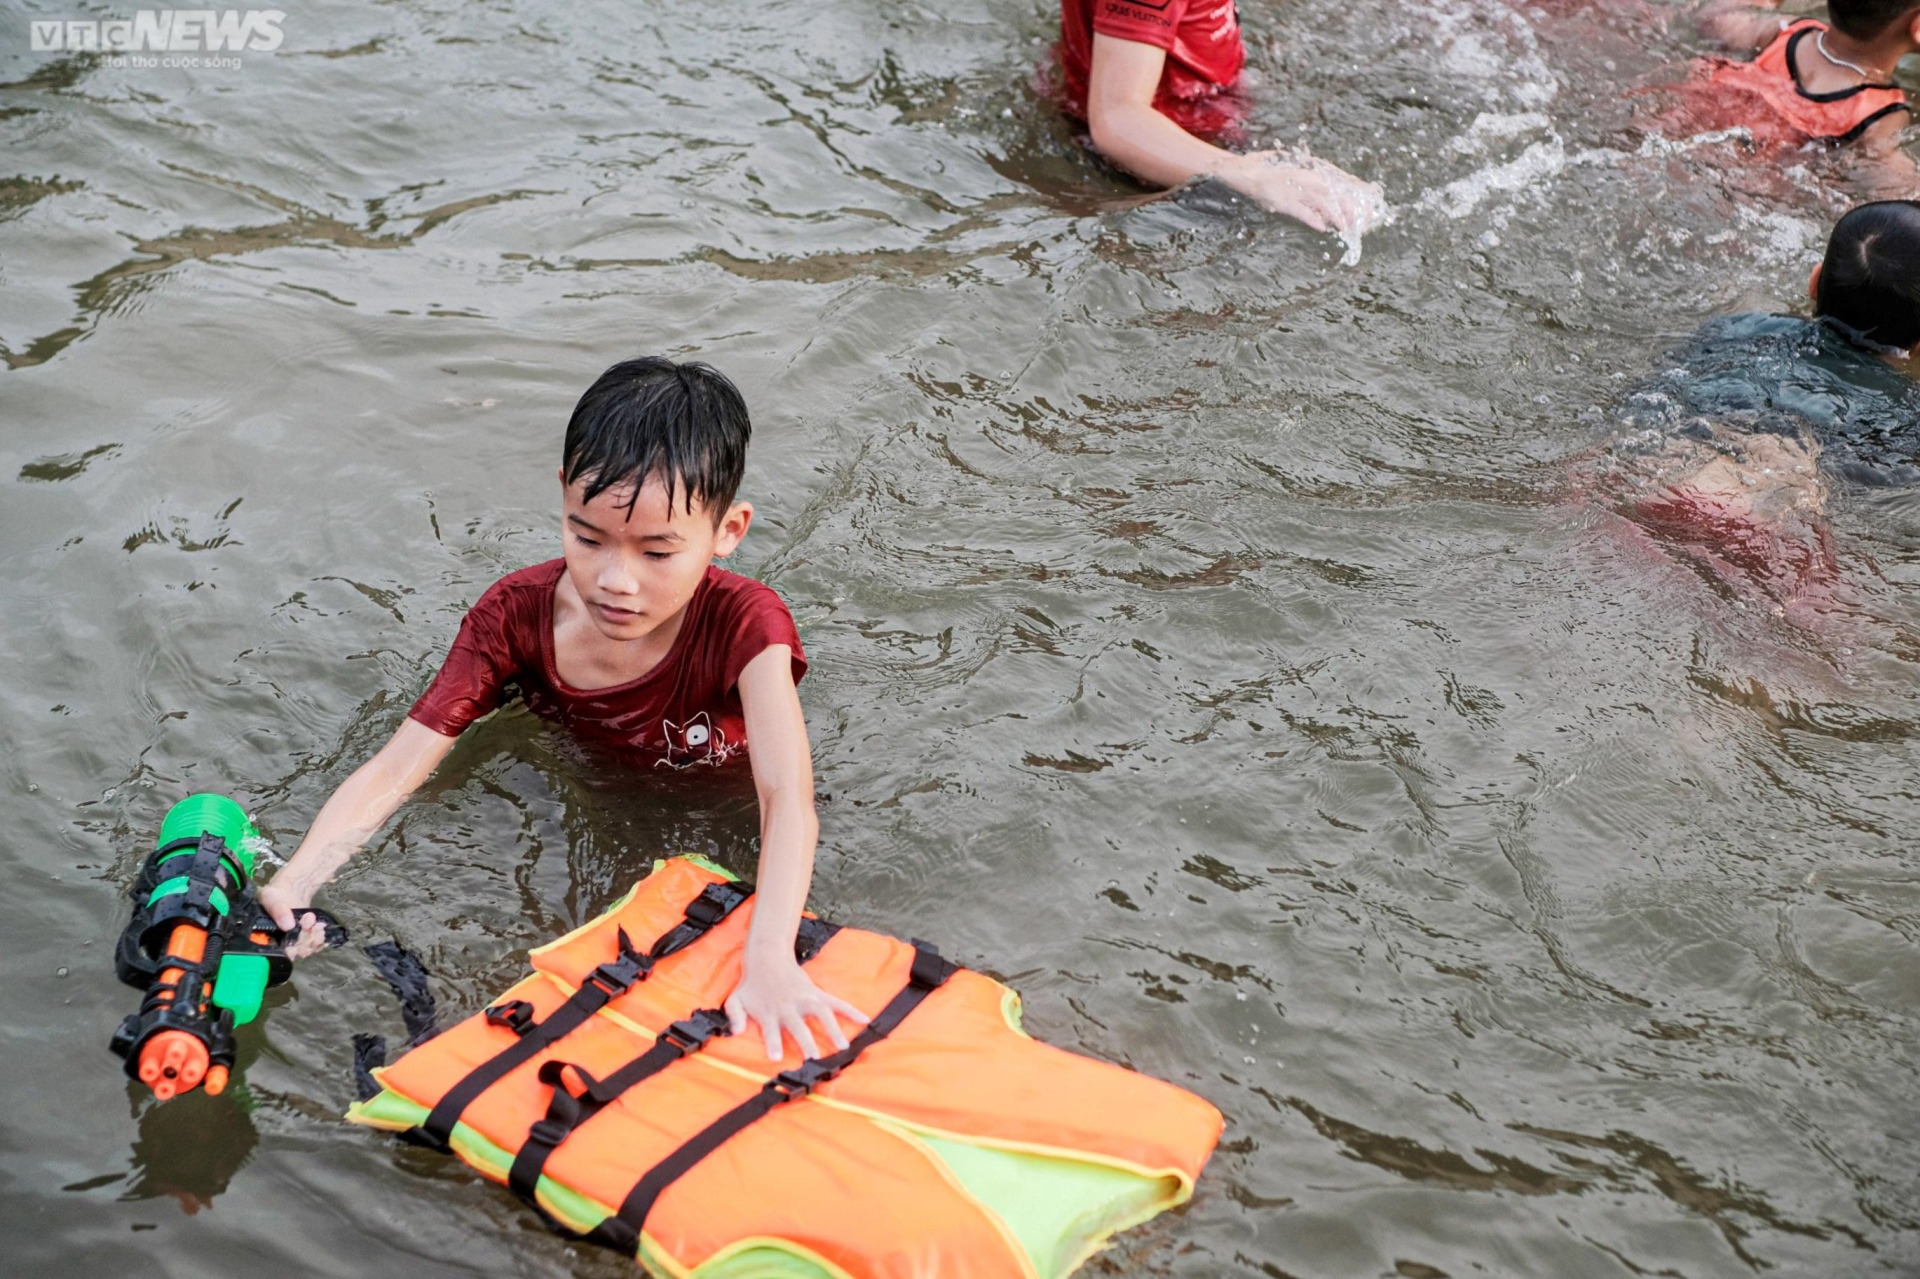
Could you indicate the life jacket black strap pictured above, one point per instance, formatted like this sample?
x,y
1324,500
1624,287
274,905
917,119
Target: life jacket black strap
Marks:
x,y
813,934
1793,71
622,1230
601,987
1853,134
407,976
567,1111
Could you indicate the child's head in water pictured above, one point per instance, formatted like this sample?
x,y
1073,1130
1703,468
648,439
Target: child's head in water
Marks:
x,y
1869,282
1874,19
653,457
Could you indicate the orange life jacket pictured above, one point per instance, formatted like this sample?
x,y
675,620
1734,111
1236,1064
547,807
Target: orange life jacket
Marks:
x,y
1841,116
943,1143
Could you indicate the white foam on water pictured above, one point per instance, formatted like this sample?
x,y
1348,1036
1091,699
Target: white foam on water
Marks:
x,y
1468,36
1538,163
1543,161
1655,145
1499,49
1779,239
1494,124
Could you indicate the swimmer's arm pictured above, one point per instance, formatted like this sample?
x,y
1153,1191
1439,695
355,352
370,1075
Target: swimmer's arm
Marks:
x,y
1744,26
775,993
1126,128
1128,131
349,818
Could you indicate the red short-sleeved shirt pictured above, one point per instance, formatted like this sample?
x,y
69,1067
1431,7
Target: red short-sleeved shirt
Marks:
x,y
683,712
1204,55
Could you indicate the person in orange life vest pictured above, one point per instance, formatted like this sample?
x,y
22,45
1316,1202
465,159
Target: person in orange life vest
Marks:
x,y
1152,80
637,642
1828,83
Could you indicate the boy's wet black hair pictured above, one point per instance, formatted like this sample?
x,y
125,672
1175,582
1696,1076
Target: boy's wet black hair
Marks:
x,y
685,423
1867,19
1870,280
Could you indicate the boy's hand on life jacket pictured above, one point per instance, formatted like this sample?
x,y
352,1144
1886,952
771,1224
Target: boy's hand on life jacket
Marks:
x,y
285,906
1300,186
781,999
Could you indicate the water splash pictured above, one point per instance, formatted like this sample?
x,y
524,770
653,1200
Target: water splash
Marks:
x,y
261,850
1546,159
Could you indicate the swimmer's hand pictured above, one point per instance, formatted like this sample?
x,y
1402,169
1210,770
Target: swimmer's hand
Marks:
x,y
1301,186
286,904
781,999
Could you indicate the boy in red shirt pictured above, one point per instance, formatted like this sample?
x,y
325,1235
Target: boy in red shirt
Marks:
x,y
1812,81
634,641
1153,81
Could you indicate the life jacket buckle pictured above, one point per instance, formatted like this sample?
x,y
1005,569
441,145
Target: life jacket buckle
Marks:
x,y
617,975
515,1015
630,966
692,1034
802,1079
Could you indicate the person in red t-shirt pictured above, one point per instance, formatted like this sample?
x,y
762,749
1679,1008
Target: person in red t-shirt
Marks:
x,y
636,642
1153,81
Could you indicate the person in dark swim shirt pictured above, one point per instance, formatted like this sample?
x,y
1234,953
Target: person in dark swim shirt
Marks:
x,y
632,641
1733,451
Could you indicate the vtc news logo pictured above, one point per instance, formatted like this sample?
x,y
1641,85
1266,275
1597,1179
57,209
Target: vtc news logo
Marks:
x,y
162,31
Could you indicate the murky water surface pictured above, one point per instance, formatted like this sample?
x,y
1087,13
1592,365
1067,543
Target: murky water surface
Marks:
x,y
1206,638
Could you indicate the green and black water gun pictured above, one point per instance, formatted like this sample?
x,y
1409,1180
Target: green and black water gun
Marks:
x,y
201,948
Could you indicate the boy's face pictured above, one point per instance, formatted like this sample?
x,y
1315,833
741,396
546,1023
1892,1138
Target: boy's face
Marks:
x,y
637,569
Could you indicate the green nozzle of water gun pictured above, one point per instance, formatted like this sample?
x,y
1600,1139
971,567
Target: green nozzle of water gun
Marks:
x,y
212,814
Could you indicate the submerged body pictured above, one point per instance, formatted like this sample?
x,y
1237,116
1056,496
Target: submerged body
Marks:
x,y
1792,378
1731,454
682,712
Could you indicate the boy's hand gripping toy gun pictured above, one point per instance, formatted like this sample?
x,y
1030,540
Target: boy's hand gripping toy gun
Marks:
x,y
200,947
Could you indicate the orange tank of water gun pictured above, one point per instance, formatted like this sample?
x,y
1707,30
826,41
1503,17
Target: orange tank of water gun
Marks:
x,y
200,947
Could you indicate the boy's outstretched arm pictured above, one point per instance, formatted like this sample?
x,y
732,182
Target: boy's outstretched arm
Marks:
x,y
774,992
348,820
1744,26
1131,133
